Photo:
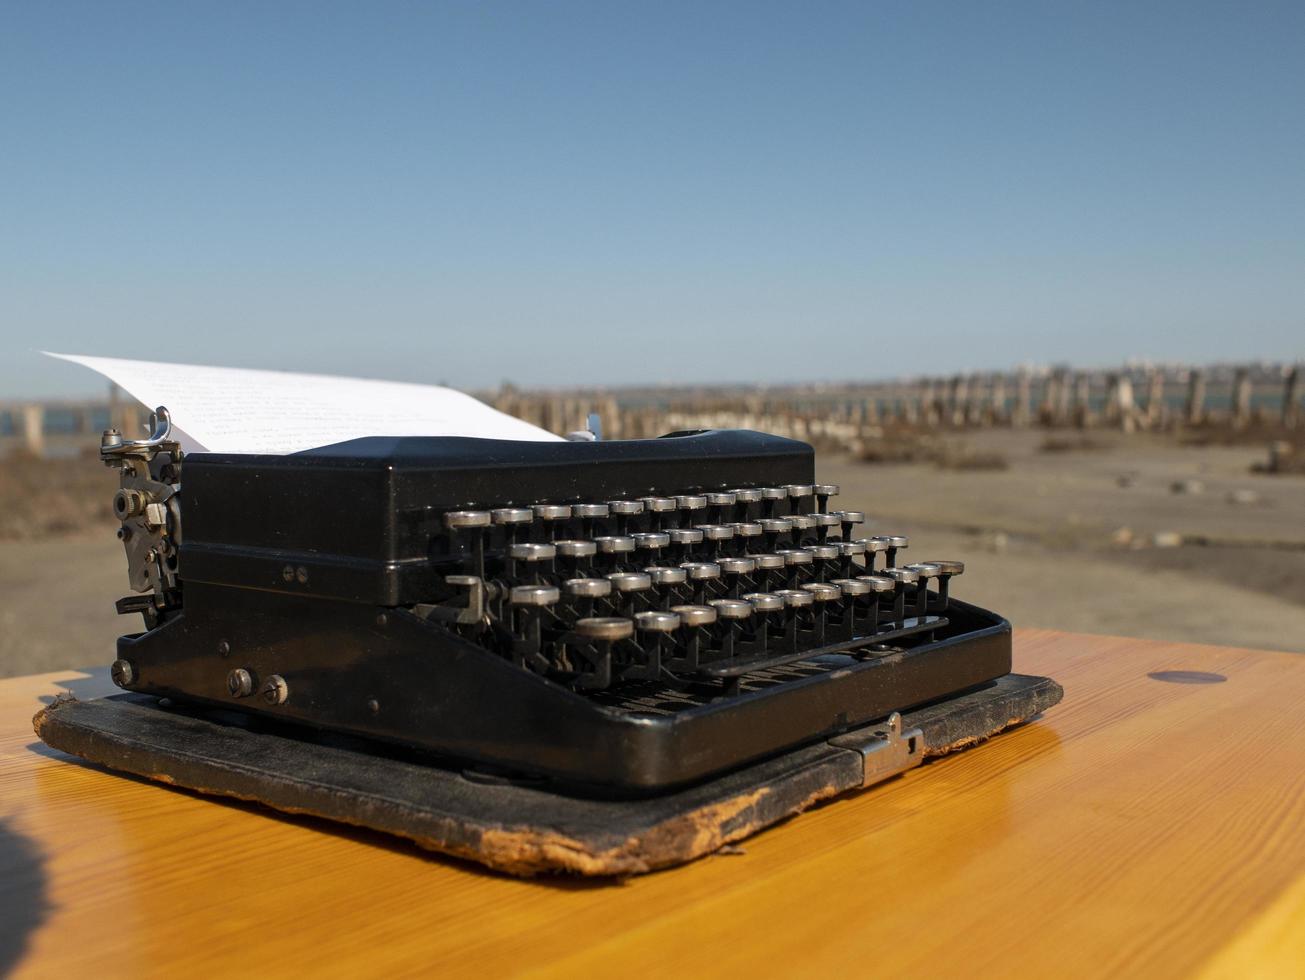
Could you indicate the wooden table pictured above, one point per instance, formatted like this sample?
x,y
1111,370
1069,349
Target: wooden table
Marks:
x,y
1153,824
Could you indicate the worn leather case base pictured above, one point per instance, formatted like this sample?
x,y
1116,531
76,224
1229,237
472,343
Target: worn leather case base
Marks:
x,y
516,826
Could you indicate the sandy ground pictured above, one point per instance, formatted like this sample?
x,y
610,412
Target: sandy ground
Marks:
x,y
1042,542
1058,540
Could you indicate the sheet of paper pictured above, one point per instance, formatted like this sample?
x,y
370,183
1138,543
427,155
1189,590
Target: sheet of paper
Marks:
x,y
238,410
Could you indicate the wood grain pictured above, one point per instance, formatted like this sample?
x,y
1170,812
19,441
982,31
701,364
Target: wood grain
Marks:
x,y
1143,827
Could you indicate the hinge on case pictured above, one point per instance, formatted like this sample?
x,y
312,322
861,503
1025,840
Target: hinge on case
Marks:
x,y
885,749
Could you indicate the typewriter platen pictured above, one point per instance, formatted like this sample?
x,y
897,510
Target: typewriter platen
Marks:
x,y
627,616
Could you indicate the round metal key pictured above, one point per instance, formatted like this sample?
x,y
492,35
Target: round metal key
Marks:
x,y
458,519
662,575
576,549
657,622
695,615
526,551
605,628
587,588
534,595
699,571
764,601
630,581
731,608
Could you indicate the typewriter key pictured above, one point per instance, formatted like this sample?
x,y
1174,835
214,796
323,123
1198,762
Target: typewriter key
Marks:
x,y
588,513
695,615
587,588
720,506
584,595
733,570
471,523
855,604
926,571
651,541
664,577
511,519
822,593
744,503
629,581
688,506
797,608
534,595
529,601
694,621
684,539
700,574
849,551
657,622
601,632
873,546
903,579
775,528
881,588
656,508
822,558
801,524
947,569
457,519
629,587
797,562
614,548
552,518
823,492
714,537
797,493
823,523
720,498
656,628
744,532
730,614
849,519
764,605
769,570
535,557
764,602
623,511
896,543
772,499
609,628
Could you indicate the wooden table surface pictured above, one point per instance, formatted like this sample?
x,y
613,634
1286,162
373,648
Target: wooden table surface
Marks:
x,y
1148,826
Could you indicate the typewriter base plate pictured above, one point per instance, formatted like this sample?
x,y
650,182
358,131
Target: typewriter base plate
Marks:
x,y
513,826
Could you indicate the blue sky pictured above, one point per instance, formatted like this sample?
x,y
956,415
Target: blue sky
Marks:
x,y
579,193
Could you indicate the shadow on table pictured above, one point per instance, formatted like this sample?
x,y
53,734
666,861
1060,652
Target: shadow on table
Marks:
x,y
23,902
96,684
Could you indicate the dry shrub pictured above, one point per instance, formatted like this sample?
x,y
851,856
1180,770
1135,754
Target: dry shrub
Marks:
x,y
918,448
1070,444
46,497
961,457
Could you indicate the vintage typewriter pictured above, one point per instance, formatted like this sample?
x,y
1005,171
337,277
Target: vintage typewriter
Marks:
x,y
608,619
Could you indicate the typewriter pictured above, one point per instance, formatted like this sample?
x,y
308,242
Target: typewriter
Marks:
x,y
614,617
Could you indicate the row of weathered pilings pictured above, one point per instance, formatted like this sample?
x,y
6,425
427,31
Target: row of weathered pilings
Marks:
x,y
1130,400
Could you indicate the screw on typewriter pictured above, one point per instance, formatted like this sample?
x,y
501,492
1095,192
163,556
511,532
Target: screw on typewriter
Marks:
x,y
626,615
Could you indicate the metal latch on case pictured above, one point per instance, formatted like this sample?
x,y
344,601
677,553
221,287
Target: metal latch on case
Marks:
x,y
885,749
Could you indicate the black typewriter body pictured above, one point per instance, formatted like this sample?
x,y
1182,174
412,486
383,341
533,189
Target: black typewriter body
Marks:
x,y
616,616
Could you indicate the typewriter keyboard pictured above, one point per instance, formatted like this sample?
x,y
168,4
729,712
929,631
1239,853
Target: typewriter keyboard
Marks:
x,y
704,588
